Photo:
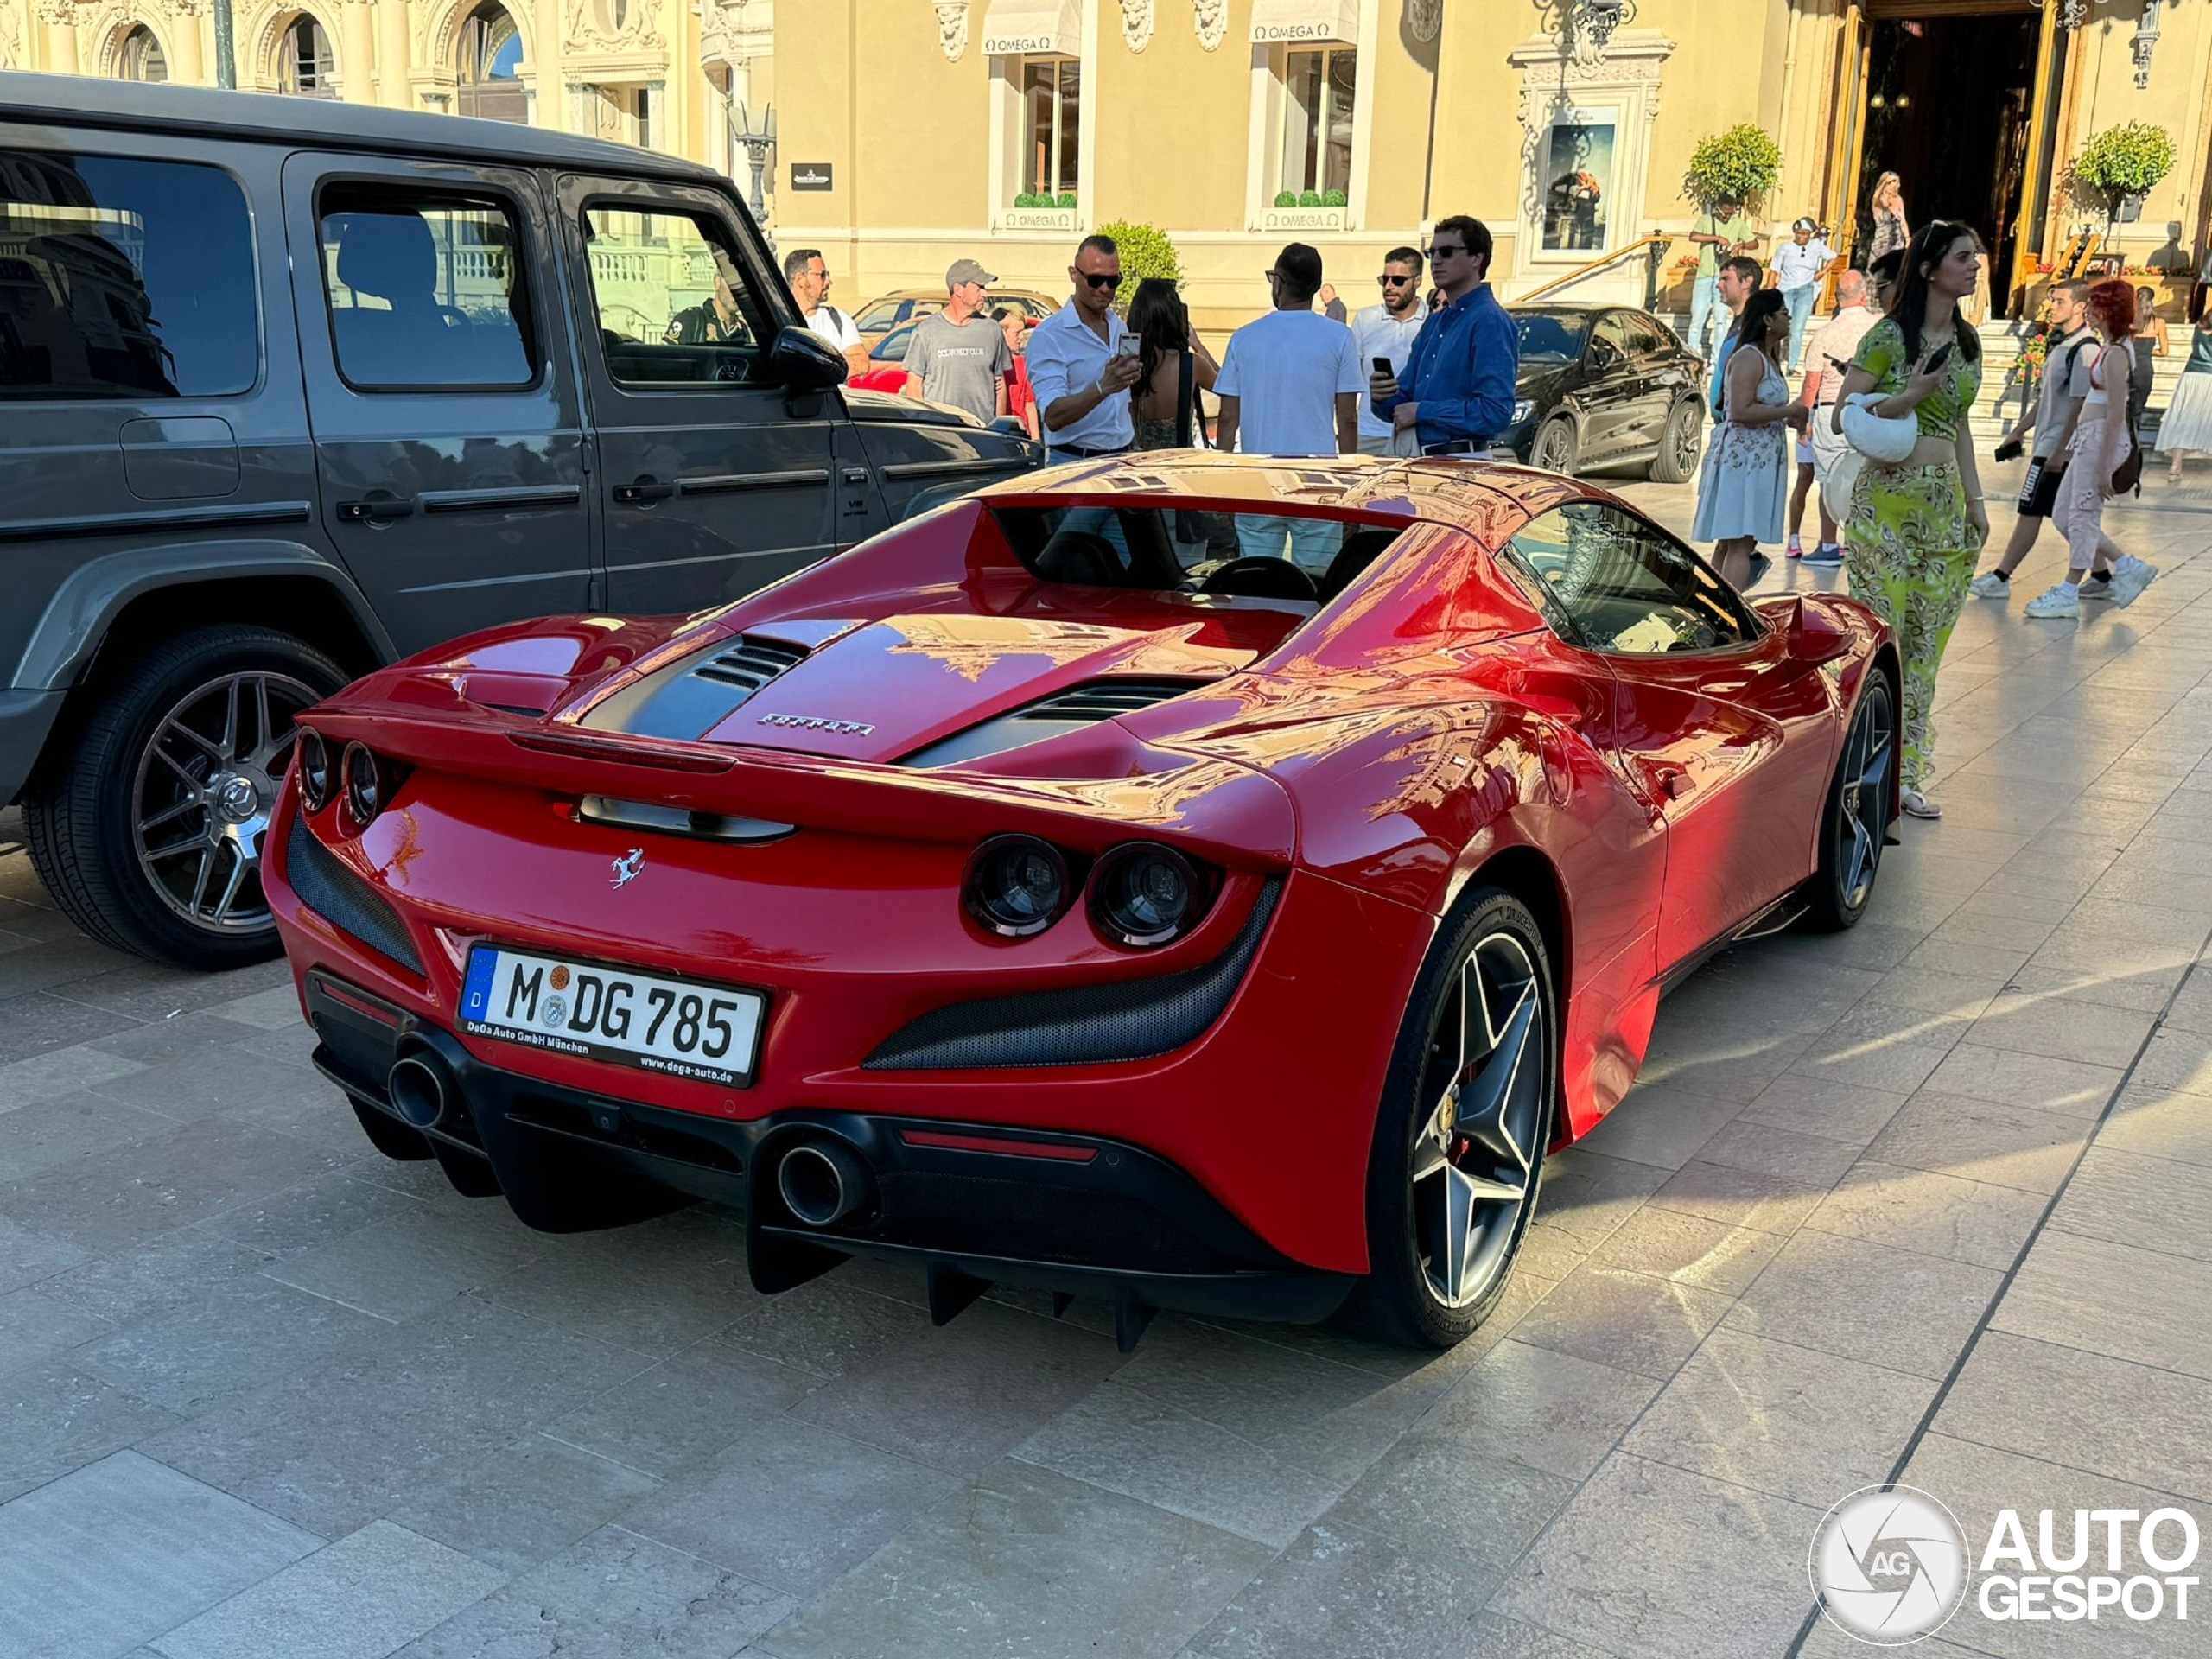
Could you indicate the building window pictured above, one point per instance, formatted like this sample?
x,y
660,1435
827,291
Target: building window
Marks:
x,y
1052,102
305,68
1578,181
141,57
490,66
1317,110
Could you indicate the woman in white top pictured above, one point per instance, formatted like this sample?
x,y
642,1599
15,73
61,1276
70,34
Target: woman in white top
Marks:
x,y
1741,490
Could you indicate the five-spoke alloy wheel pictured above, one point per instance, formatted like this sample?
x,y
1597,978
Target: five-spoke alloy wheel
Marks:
x,y
1856,819
1460,1142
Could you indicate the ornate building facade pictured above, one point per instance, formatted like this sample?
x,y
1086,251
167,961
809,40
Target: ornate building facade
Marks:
x,y
684,76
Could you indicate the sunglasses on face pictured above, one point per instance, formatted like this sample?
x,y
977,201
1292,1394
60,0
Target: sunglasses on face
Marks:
x,y
1445,253
1395,282
1102,279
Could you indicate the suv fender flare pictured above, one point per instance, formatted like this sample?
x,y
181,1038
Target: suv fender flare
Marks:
x,y
85,606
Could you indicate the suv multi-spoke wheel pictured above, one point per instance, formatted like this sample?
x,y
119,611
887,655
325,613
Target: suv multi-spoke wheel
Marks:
x,y
148,825
1460,1140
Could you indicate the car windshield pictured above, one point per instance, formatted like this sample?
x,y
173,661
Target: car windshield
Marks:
x,y
1250,555
1555,336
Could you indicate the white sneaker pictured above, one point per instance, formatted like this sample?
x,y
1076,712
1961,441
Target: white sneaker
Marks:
x,y
1990,585
2129,562
2058,602
2129,582
2097,592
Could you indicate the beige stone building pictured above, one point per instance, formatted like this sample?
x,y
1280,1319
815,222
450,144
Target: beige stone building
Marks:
x,y
912,132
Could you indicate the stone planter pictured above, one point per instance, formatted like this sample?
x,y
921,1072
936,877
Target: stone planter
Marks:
x,y
1036,218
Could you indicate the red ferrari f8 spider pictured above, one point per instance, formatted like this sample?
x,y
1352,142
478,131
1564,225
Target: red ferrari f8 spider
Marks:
x,y
1195,882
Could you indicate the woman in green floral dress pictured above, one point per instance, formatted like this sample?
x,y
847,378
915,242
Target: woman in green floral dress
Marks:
x,y
1916,528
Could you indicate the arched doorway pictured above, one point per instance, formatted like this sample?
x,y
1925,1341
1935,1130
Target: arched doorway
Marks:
x,y
306,66
140,57
490,66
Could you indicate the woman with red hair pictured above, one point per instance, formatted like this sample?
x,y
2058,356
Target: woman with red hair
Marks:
x,y
2098,441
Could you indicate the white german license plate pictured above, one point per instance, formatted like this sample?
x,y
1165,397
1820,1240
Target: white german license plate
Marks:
x,y
678,1028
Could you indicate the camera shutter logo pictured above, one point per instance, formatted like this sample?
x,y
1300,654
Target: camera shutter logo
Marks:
x,y
1888,1565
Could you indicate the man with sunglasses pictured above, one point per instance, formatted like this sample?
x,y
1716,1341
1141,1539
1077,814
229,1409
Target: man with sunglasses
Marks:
x,y
1388,330
1077,369
1457,390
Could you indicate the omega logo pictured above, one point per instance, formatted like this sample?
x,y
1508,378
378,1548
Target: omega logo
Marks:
x,y
816,723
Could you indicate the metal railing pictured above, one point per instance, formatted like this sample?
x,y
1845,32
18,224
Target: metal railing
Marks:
x,y
1651,245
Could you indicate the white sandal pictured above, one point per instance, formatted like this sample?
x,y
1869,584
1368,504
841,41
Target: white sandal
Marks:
x,y
1917,805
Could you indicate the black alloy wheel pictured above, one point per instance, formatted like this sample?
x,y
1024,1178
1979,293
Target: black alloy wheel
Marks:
x,y
1682,443
1460,1140
147,823
1856,820
1555,448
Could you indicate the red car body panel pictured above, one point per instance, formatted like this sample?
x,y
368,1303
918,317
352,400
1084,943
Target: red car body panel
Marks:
x,y
1355,771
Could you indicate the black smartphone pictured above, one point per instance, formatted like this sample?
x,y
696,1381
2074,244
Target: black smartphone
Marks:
x,y
1382,365
1837,363
2009,450
1942,356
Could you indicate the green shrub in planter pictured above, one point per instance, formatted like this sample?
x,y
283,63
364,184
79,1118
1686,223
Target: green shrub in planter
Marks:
x,y
1738,165
1286,198
1309,198
1146,251
2128,160
1067,200
1334,199
1027,199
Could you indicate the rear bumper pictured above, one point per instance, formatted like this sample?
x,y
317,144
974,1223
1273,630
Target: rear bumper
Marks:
x,y
968,1204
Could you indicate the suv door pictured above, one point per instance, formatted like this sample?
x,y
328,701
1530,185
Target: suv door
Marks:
x,y
1715,727
715,479
1608,394
440,391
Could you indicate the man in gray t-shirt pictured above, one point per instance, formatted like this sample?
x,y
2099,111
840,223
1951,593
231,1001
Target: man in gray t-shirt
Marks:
x,y
959,356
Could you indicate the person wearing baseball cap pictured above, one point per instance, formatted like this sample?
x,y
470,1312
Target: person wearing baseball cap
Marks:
x,y
1798,266
958,356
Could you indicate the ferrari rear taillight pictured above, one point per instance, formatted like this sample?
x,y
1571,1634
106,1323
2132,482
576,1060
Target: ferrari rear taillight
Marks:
x,y
1017,885
365,785
1144,896
315,770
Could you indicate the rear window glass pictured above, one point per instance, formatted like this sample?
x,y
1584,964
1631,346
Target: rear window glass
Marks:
x,y
124,278
1165,548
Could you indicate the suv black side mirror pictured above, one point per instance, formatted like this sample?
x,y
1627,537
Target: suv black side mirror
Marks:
x,y
801,360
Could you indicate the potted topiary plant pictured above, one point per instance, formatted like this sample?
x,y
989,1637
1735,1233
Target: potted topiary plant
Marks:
x,y
1286,198
1067,200
1309,198
1334,199
1028,199
1738,165
1146,251
2123,164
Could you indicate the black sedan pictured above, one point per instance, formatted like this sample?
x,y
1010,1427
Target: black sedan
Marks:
x,y
1603,388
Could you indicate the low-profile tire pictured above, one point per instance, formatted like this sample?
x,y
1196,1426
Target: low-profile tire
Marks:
x,y
1855,818
391,1137
1682,443
1467,1107
1555,448
146,821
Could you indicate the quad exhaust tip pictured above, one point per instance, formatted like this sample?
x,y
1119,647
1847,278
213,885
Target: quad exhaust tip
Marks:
x,y
822,1182
422,1091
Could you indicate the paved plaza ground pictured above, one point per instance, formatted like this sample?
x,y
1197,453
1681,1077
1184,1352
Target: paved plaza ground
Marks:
x,y
1927,1201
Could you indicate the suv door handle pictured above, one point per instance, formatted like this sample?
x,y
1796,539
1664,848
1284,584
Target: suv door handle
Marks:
x,y
641,490
376,505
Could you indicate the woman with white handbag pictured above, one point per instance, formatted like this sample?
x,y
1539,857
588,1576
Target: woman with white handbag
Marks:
x,y
1916,519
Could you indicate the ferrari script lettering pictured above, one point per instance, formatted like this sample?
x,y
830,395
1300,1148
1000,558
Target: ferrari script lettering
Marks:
x,y
816,723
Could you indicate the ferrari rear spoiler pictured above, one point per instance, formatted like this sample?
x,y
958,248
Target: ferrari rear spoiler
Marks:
x,y
1227,814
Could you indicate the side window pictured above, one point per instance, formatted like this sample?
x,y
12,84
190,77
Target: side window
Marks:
x,y
1611,329
1647,335
671,297
1610,581
124,278
428,288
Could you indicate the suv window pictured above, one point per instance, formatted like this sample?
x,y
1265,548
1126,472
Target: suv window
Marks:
x,y
426,288
1649,334
124,279
672,303
1607,581
1613,329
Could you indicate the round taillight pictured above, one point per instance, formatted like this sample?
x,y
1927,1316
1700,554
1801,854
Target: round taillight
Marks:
x,y
363,784
1016,886
315,770
1144,896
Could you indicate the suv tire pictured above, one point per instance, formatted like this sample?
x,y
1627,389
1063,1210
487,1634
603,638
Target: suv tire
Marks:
x,y
146,824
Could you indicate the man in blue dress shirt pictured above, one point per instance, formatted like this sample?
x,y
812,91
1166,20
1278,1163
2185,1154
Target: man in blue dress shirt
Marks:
x,y
1457,391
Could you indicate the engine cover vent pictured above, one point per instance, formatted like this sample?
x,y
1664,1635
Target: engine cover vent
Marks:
x,y
1064,711
751,663
686,701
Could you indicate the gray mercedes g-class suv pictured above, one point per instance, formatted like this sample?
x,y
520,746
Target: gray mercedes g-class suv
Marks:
x,y
288,389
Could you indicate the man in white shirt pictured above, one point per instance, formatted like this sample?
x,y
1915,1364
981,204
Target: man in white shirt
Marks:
x,y
1388,331
809,279
1289,386
1837,342
1798,265
1080,370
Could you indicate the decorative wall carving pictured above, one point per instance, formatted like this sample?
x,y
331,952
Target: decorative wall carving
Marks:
x,y
11,35
1426,19
952,27
1136,23
57,12
1213,19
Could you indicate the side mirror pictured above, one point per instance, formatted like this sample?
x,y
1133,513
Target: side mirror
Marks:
x,y
1811,637
801,360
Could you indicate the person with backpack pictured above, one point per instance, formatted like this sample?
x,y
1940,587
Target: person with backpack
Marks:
x,y
809,280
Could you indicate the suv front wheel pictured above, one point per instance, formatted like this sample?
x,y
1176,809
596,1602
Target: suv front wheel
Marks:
x,y
147,828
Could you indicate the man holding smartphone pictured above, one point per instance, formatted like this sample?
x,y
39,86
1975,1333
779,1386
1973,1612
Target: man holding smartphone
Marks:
x,y
1457,391
1082,361
1383,335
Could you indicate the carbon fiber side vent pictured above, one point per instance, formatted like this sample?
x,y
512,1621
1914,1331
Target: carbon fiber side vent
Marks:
x,y
342,899
1092,1025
